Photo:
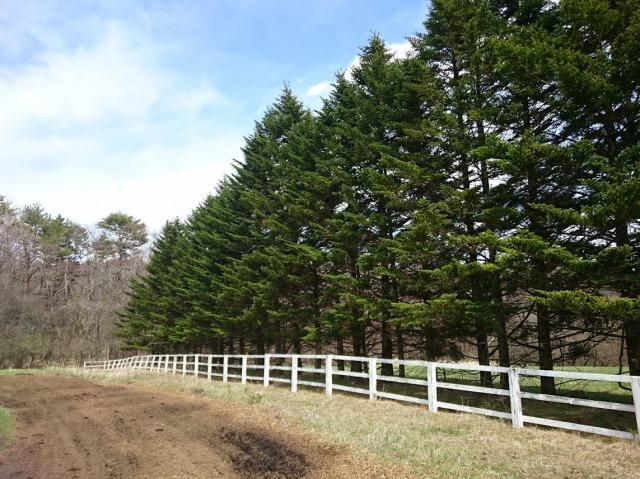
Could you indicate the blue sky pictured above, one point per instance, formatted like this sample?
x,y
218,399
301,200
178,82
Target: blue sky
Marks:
x,y
141,106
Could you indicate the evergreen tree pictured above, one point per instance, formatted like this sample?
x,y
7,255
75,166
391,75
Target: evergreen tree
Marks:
x,y
154,304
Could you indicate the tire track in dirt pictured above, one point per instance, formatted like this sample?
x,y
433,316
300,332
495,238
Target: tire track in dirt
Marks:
x,y
77,429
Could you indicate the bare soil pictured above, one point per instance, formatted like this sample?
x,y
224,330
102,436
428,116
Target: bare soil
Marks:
x,y
74,428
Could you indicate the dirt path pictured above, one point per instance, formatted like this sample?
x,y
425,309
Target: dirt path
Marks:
x,y
73,428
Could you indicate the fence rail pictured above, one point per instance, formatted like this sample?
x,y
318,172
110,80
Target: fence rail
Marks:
x,y
269,368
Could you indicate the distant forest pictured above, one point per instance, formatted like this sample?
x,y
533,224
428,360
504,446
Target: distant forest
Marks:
x,y
62,286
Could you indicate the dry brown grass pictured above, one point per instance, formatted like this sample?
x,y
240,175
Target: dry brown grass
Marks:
x,y
443,445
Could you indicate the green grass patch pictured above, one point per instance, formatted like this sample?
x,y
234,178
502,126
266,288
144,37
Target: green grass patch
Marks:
x,y
7,432
17,372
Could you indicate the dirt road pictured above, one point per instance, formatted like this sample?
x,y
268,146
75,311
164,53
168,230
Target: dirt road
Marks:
x,y
73,428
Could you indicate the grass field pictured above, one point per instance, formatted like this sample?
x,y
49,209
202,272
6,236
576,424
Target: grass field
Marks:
x,y
594,390
443,445
6,428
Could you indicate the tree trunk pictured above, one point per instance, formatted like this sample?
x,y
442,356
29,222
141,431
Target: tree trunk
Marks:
x,y
318,325
632,339
340,350
260,350
400,348
503,349
545,351
502,333
430,344
483,356
318,347
387,348
358,338
631,327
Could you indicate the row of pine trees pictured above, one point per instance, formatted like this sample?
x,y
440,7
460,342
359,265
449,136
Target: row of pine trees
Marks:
x,y
479,198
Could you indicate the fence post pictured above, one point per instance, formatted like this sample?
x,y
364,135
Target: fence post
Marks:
x,y
294,373
175,364
166,364
225,368
196,366
209,361
328,375
266,370
184,364
432,387
373,378
243,376
515,397
635,390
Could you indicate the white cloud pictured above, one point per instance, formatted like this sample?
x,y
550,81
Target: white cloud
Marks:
x,y
114,80
105,126
322,88
106,82
154,183
398,50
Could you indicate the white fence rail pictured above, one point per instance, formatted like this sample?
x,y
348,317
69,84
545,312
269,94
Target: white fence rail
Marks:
x,y
286,368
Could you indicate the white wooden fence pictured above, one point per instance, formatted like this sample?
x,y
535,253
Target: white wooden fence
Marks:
x,y
247,367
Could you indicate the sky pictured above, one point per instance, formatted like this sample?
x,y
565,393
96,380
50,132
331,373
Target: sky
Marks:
x,y
141,106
